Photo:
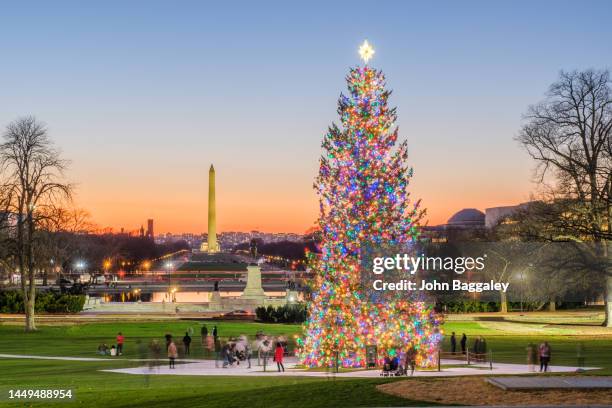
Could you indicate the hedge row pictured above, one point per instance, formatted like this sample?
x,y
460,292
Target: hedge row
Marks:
x,y
282,314
475,306
49,302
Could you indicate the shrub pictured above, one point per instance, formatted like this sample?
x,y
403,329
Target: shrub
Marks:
x,y
46,302
294,313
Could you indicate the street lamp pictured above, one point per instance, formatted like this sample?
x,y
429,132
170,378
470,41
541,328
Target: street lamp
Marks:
x,y
80,267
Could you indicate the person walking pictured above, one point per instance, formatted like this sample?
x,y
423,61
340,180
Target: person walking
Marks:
x,y
411,360
482,346
531,356
453,343
210,345
580,356
463,343
476,346
215,332
228,355
248,352
218,351
172,353
204,334
154,354
187,343
120,340
278,357
544,356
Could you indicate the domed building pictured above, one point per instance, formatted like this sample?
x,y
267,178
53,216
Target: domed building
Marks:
x,y
467,218
464,225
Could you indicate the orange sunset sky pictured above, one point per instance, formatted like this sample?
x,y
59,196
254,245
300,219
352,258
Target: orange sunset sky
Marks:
x,y
277,196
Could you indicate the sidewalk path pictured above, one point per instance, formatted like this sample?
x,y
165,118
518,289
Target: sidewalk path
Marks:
x,y
207,368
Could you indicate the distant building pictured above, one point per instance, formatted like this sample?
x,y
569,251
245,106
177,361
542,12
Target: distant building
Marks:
x,y
470,223
150,233
495,215
467,218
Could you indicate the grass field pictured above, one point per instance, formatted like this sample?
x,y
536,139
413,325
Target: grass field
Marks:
x,y
99,389
82,340
507,337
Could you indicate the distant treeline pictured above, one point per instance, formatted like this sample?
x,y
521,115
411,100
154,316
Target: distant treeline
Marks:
x,y
474,306
95,249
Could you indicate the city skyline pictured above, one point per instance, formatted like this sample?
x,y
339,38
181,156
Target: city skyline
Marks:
x,y
142,112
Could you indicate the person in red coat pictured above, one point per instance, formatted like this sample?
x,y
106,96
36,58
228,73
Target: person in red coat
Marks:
x,y
278,356
120,340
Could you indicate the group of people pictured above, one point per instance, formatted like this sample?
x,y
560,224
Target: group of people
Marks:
x,y
400,365
114,350
237,350
234,351
173,351
541,354
479,347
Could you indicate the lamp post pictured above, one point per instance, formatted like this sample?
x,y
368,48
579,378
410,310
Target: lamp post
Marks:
x,y
522,278
80,267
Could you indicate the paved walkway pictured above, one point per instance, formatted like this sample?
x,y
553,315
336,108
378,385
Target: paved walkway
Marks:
x,y
207,368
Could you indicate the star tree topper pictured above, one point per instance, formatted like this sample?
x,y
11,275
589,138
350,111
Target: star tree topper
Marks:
x,y
366,51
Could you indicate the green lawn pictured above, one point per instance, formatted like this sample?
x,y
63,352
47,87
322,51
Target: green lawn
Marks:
x,y
82,340
94,388
98,389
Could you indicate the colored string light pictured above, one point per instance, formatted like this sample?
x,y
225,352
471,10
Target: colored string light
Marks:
x,y
362,186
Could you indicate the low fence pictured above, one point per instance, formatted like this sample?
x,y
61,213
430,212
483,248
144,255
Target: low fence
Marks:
x,y
469,357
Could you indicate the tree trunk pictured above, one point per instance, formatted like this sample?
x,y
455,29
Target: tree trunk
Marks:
x,y
552,306
503,302
31,298
30,323
608,302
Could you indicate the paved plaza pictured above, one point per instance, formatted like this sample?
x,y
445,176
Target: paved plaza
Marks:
x,y
212,368
208,368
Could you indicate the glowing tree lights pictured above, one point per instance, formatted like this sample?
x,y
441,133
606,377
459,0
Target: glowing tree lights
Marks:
x,y
362,187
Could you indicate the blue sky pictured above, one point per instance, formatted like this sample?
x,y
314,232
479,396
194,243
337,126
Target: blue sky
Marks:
x,y
143,96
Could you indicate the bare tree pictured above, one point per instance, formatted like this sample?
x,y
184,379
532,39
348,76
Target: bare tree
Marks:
x,y
568,134
60,230
33,173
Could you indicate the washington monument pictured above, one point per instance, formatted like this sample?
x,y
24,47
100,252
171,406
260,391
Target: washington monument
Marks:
x,y
211,246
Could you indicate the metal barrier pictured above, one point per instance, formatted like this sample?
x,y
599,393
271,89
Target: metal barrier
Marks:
x,y
469,357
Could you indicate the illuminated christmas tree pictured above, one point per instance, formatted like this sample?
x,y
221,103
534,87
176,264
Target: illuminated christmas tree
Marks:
x,y
362,186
